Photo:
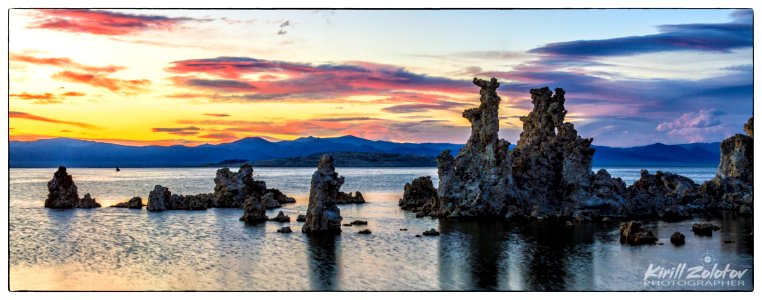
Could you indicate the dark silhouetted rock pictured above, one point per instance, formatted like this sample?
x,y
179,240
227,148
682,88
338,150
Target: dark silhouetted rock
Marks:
x,y
254,210
551,162
348,198
478,181
270,201
158,198
232,189
279,196
633,233
281,218
323,216
301,218
364,231
62,192
286,229
87,202
417,193
662,194
704,229
677,238
359,222
134,203
431,232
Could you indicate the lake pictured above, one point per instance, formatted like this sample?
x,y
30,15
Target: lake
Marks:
x,y
124,249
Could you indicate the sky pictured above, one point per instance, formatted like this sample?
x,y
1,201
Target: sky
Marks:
x,y
165,77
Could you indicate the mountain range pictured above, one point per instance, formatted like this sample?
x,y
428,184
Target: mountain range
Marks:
x,y
81,153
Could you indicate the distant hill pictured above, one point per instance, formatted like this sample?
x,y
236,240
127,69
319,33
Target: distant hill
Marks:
x,y
353,159
699,155
80,153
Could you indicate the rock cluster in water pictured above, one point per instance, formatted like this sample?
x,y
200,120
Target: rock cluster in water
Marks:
x,y
348,198
418,193
323,216
62,193
231,189
162,199
549,173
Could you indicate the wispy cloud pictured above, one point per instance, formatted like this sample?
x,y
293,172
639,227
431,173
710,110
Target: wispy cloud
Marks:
x,y
62,62
262,79
190,130
103,81
45,98
710,37
101,22
28,116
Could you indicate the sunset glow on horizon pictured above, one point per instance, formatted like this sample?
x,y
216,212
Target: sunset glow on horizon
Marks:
x,y
165,77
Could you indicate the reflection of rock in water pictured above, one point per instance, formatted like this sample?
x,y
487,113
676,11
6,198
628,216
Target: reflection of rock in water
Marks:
x,y
554,259
476,252
323,261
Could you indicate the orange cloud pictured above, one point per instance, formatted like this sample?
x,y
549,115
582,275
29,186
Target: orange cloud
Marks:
x,y
23,115
46,98
62,62
103,81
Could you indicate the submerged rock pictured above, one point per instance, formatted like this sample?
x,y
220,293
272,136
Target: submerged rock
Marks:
x,y
286,229
359,222
323,216
431,232
704,229
478,181
633,233
417,193
301,218
348,198
62,192
134,203
677,238
87,202
281,217
364,231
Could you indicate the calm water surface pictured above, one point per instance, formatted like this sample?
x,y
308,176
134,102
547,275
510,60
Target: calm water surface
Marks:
x,y
123,249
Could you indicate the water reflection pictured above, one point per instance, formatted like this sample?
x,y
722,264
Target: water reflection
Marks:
x,y
323,261
471,255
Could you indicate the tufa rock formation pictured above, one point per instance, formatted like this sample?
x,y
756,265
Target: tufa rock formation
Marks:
x,y
323,216
549,174
162,199
663,194
348,198
158,198
677,239
62,192
254,210
281,218
551,163
87,202
478,180
732,186
231,189
418,193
